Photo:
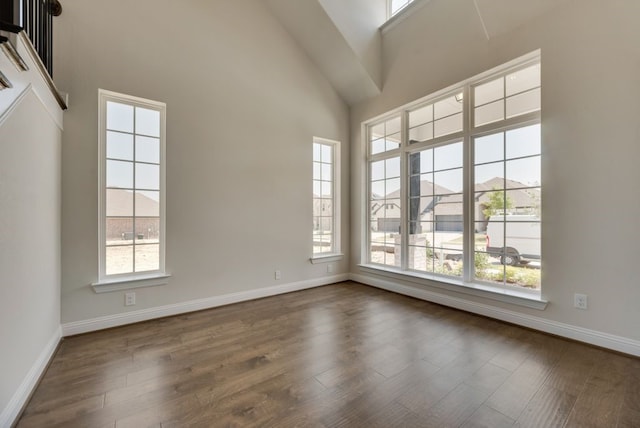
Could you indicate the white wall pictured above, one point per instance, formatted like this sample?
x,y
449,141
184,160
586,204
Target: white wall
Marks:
x,y
29,248
591,140
243,103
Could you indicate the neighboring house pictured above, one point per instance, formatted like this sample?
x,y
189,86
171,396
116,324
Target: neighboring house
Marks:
x,y
443,211
120,226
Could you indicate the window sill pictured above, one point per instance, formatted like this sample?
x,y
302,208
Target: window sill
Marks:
x,y
529,299
326,258
127,283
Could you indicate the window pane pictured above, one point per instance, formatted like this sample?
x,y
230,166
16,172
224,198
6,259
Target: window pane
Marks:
x,y
421,133
525,202
377,170
523,80
147,149
524,238
523,141
525,172
326,152
119,203
118,230
119,145
523,103
447,107
392,141
488,92
327,189
147,122
316,152
119,260
147,204
147,257
421,115
147,176
327,175
449,156
378,146
489,113
147,230
489,176
119,174
448,125
392,167
489,148
392,187
119,117
376,132
316,171
393,126
449,181
490,204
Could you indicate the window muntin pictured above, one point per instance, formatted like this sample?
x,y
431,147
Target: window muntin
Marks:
x,y
131,186
507,205
325,197
385,207
439,227
435,209
386,136
511,95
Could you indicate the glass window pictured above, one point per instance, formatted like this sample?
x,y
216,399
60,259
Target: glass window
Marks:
x,y
326,237
428,214
132,204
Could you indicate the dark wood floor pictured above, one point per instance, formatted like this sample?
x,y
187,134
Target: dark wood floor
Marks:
x,y
345,355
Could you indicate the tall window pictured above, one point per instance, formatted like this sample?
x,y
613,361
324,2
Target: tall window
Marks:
x,y
454,182
132,147
326,201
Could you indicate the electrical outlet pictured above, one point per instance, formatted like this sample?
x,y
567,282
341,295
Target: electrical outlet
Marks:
x,y
277,274
580,301
129,299
330,268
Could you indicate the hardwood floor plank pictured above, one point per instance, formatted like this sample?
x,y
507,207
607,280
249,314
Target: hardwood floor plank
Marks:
x,y
600,402
345,355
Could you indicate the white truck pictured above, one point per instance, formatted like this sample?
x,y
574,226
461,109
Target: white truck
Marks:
x,y
514,238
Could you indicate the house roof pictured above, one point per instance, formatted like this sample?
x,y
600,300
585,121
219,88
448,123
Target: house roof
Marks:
x,y
120,203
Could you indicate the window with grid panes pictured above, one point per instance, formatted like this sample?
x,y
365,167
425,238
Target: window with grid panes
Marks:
x,y
462,173
132,141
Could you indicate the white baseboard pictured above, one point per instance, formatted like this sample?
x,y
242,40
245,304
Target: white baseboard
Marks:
x,y
22,394
100,323
593,337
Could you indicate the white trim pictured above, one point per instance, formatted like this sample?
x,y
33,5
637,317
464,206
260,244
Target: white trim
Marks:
x,y
593,337
11,412
521,297
109,321
327,258
130,282
15,103
105,96
336,170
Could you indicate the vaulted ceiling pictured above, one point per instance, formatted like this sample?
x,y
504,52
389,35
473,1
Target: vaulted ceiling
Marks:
x,y
344,37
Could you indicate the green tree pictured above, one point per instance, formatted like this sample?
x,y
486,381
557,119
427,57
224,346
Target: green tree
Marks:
x,y
498,201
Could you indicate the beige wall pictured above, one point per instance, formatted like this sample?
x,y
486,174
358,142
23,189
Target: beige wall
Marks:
x,y
590,130
29,245
243,103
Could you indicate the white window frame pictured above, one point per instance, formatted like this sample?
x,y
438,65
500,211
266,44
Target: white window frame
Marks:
x,y
391,13
128,280
336,250
467,136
